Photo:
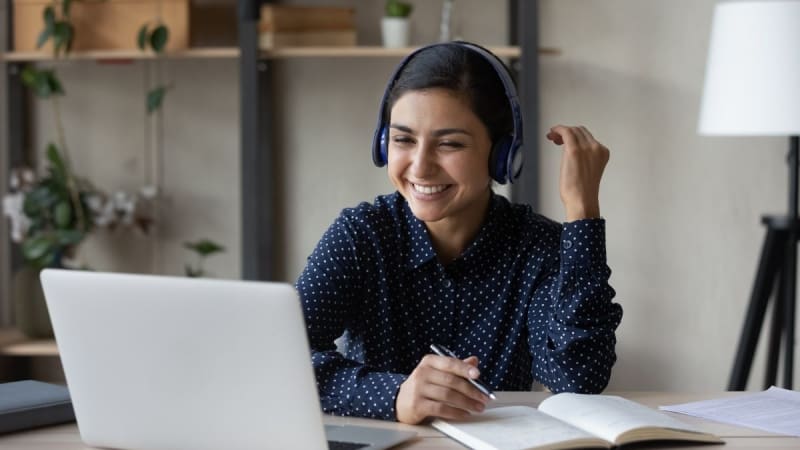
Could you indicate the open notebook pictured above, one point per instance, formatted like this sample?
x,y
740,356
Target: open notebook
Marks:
x,y
566,421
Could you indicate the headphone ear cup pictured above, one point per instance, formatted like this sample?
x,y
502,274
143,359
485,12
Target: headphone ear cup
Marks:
x,y
380,149
384,146
498,161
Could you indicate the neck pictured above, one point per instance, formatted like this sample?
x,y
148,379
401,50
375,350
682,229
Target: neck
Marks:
x,y
451,237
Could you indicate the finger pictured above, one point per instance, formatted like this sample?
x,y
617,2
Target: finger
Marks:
x,y
587,133
568,135
451,365
456,383
472,361
433,408
595,146
452,397
555,137
581,137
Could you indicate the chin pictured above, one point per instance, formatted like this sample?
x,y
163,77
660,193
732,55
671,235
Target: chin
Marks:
x,y
426,214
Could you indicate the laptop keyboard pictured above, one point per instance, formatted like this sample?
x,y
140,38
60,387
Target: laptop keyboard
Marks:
x,y
339,445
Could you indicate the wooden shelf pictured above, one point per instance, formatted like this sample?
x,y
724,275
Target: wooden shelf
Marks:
x,y
233,52
374,52
14,343
124,55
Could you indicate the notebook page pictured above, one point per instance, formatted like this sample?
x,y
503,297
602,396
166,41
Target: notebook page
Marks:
x,y
776,410
607,416
509,428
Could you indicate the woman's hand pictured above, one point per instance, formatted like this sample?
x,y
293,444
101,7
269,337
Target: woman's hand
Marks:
x,y
438,388
582,165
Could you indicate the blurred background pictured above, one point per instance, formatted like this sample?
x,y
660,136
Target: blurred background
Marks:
x,y
683,210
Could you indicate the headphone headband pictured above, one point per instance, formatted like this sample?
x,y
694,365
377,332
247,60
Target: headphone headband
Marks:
x,y
506,160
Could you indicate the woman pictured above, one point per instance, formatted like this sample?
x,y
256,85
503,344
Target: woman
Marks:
x,y
446,261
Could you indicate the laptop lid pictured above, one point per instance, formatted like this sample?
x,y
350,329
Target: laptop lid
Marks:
x,y
155,362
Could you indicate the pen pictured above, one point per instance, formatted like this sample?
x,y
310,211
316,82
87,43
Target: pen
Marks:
x,y
441,350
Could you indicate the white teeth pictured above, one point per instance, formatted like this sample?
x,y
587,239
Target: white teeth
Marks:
x,y
429,189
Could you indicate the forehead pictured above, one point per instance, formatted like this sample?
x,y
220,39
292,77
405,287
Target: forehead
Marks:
x,y
436,104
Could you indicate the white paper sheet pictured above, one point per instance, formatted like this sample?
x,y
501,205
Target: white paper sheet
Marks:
x,y
775,410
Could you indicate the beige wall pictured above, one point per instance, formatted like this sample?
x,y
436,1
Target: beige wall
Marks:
x,y
115,145
683,210
327,115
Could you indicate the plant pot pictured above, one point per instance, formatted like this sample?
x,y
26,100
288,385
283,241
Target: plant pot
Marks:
x,y
395,32
30,309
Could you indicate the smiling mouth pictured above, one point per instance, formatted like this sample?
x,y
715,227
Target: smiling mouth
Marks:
x,y
429,190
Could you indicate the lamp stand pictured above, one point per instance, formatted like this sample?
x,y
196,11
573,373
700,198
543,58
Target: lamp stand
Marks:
x,y
777,270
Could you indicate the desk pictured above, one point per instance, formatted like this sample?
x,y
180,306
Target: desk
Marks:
x,y
65,437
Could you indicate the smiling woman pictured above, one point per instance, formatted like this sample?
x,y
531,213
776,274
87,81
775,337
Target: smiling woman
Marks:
x,y
437,161
446,261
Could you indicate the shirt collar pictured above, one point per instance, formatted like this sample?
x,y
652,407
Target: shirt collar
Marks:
x,y
419,248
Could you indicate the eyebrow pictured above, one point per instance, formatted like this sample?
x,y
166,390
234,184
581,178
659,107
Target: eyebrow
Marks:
x,y
437,133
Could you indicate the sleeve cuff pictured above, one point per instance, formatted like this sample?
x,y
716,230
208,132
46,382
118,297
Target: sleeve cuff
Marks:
x,y
583,242
377,396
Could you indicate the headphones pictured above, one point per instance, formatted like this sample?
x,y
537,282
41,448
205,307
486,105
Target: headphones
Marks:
x,y
505,160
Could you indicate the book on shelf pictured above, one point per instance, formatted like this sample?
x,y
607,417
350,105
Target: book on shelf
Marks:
x,y
280,18
335,38
303,26
568,421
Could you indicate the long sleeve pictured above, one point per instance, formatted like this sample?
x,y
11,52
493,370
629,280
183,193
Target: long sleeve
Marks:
x,y
573,347
330,289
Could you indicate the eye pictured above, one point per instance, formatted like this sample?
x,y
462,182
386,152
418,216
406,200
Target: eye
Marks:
x,y
401,139
452,145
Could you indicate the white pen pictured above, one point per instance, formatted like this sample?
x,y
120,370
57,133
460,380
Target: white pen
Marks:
x,y
441,350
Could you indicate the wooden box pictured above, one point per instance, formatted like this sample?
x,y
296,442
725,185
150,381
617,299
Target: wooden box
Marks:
x,y
103,24
298,26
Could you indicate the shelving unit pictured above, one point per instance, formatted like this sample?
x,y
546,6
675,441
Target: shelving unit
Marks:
x,y
14,343
257,147
258,150
233,53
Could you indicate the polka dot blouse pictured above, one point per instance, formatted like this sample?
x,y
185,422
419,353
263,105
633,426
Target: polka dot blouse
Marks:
x,y
529,297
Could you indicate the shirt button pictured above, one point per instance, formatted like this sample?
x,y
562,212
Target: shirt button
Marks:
x,y
567,245
447,283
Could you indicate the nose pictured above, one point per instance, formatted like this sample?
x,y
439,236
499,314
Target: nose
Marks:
x,y
423,163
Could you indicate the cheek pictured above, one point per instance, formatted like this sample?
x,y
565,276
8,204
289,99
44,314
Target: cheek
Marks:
x,y
472,169
394,166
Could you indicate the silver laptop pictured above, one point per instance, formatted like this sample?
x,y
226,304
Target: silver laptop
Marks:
x,y
156,362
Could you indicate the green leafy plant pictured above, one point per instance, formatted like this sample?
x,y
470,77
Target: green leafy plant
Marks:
x,y
52,214
202,249
56,223
59,29
155,39
396,8
55,207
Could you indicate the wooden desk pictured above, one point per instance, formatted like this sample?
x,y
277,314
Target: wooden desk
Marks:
x,y
65,437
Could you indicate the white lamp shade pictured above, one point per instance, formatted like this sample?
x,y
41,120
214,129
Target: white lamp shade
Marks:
x,y
752,84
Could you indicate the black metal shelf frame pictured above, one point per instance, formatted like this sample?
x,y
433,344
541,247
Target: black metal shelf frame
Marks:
x,y
257,152
258,189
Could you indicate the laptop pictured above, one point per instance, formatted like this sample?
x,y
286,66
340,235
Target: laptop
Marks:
x,y
157,362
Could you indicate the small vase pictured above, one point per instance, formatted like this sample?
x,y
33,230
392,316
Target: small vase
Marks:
x,y
395,32
30,309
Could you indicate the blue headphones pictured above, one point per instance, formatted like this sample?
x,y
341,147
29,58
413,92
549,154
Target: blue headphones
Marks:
x,y
505,161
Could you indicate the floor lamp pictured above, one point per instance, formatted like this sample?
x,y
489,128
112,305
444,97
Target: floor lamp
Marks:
x,y
752,88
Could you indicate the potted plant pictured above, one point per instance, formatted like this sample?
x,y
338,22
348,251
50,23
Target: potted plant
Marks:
x,y
202,248
395,25
50,217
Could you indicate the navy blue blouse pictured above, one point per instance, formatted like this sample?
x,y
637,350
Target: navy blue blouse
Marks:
x,y
529,297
